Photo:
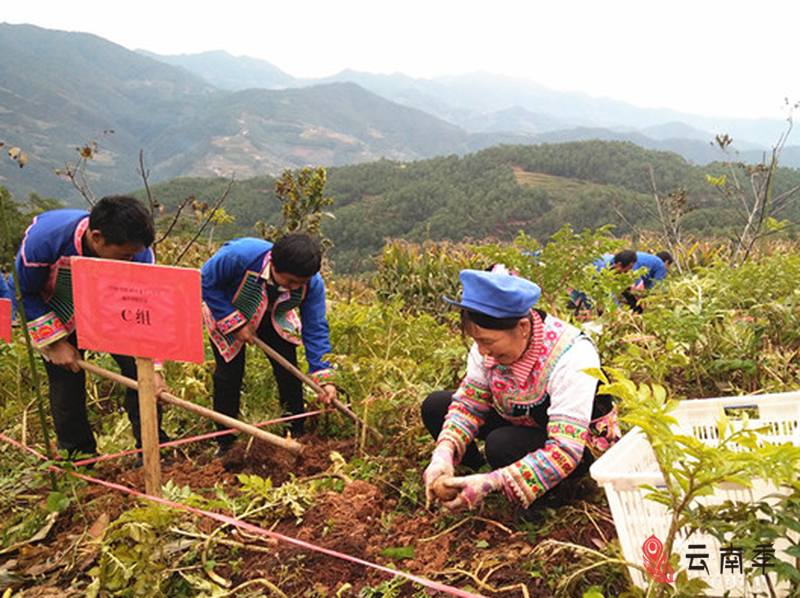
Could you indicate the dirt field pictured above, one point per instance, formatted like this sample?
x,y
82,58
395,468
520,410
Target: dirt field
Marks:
x,y
488,552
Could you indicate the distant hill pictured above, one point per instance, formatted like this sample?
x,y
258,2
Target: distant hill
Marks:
x,y
493,193
225,71
62,90
260,131
214,114
492,103
525,111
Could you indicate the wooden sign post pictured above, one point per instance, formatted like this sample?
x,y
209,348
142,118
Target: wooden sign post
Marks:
x,y
148,416
150,312
5,320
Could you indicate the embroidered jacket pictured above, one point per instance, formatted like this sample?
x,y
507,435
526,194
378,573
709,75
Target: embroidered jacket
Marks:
x,y
547,388
43,267
234,292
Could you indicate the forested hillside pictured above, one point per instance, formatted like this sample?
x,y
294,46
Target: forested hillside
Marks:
x,y
493,193
61,90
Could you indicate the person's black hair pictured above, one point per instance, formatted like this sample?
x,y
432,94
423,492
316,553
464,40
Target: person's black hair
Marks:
x,y
122,219
469,316
298,254
625,258
665,256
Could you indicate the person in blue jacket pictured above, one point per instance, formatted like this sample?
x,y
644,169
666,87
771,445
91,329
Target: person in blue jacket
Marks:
x,y
654,269
12,290
655,266
622,261
252,288
119,228
7,291
666,257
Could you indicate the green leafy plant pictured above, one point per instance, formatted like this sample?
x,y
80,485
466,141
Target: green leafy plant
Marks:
x,y
384,366
563,264
420,275
290,499
765,523
132,561
387,589
717,329
693,468
304,203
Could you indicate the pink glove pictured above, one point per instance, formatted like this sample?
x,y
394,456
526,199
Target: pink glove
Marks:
x,y
473,489
441,465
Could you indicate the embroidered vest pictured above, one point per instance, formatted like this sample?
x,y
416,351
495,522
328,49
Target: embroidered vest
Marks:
x,y
526,402
252,301
58,292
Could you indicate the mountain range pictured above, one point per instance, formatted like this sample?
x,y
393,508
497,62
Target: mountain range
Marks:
x,y
213,114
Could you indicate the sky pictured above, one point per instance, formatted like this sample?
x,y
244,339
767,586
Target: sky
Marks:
x,y
727,58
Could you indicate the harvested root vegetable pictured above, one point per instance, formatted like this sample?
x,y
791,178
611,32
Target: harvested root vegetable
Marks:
x,y
442,491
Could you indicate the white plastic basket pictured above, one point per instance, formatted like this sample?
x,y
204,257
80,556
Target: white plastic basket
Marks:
x,y
631,463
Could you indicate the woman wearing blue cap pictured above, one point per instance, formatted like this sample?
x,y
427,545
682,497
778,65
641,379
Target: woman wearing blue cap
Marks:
x,y
525,394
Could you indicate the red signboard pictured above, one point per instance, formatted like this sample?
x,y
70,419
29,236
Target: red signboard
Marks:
x,y
135,309
5,320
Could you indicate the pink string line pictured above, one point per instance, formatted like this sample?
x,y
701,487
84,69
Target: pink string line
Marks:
x,y
196,438
250,527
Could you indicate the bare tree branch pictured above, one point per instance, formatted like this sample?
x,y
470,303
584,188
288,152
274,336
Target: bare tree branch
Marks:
x,y
208,219
174,221
145,176
756,207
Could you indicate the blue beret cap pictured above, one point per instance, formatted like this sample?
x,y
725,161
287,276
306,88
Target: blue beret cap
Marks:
x,y
496,294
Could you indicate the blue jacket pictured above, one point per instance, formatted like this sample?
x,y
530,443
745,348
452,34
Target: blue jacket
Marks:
x,y
9,291
234,292
656,269
604,261
5,292
43,267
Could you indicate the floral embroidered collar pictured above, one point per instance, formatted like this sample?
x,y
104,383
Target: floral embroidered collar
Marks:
x,y
524,366
77,237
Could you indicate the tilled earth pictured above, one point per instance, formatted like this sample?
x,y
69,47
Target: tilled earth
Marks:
x,y
489,552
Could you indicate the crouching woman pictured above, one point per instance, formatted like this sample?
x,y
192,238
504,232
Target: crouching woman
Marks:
x,y
525,394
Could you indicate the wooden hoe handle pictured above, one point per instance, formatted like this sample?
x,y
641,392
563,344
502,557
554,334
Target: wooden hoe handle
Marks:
x,y
272,353
287,444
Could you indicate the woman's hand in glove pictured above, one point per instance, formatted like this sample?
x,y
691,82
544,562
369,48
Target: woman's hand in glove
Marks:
x,y
441,465
473,489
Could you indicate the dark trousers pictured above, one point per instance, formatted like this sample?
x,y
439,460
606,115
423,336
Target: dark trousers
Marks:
x,y
228,378
631,301
68,405
504,442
